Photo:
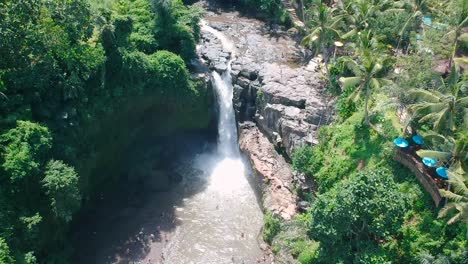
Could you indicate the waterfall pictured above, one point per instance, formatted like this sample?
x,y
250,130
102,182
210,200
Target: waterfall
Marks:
x,y
227,130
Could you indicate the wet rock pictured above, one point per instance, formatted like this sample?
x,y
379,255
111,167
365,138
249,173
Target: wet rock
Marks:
x,y
286,99
303,206
273,169
220,66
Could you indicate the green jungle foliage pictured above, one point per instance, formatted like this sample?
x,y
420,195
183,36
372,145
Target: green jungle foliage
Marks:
x,y
73,77
391,69
272,10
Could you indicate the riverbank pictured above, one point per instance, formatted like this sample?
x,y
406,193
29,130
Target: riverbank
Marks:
x,y
280,102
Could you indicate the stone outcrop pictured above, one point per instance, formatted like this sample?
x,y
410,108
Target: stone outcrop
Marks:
x,y
273,85
275,172
212,53
279,100
288,104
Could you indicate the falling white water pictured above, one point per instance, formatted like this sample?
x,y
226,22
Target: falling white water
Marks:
x,y
228,233
227,130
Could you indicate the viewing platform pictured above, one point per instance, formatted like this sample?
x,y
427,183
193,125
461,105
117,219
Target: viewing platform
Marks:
x,y
426,175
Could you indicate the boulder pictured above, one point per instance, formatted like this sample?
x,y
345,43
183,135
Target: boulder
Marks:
x,y
272,168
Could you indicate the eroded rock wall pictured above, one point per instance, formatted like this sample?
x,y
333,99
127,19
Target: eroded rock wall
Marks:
x,y
277,175
275,85
279,100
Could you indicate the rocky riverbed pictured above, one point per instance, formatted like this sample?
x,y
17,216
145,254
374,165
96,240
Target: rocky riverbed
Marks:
x,y
278,91
274,85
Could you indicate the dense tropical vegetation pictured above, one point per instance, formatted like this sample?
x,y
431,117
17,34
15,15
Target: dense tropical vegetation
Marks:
x,y
398,68
76,76
73,76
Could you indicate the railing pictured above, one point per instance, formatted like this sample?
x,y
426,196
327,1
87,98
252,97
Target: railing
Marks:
x,y
410,161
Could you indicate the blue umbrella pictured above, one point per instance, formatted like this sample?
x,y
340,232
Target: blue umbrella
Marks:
x,y
430,162
400,142
418,139
427,20
442,172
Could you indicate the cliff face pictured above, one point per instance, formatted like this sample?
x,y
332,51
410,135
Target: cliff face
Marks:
x,y
277,175
279,100
287,103
274,86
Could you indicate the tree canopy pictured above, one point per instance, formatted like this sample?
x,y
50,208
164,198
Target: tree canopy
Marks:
x,y
366,208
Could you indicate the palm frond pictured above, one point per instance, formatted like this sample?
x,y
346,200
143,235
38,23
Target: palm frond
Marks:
x,y
454,219
442,120
434,154
457,183
349,81
462,102
355,95
446,210
375,83
354,67
422,109
450,195
349,34
435,137
425,95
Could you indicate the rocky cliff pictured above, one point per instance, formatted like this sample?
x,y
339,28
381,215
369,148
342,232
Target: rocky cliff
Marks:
x,y
279,99
273,85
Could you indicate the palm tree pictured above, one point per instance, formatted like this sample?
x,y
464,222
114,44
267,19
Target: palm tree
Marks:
x,y
452,149
458,198
455,151
417,9
323,30
460,9
358,13
441,106
368,71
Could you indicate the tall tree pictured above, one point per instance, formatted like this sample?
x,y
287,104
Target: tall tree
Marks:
x,y
24,150
359,13
441,107
459,20
323,30
417,8
61,185
366,207
5,255
369,70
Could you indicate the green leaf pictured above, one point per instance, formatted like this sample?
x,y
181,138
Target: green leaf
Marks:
x,y
434,154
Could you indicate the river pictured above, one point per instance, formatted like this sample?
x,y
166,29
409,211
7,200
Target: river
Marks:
x,y
212,216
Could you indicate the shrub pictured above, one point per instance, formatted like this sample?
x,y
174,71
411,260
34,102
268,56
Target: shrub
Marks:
x,y
5,257
61,184
271,227
345,107
365,208
307,159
